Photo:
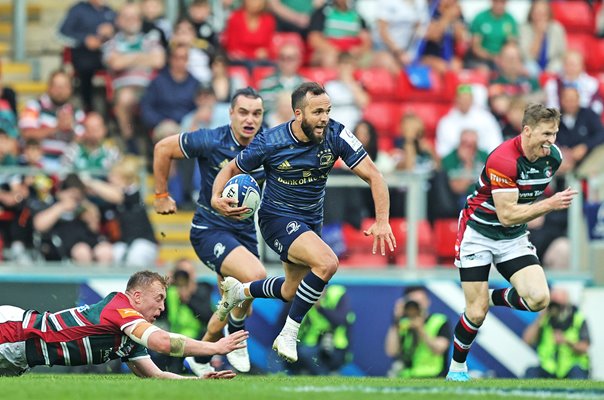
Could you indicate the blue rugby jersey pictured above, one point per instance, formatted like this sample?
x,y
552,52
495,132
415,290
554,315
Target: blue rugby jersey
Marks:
x,y
214,148
296,172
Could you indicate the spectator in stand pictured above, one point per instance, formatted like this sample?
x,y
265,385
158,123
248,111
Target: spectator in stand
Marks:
x,y
8,94
154,20
294,15
9,149
397,29
573,73
282,112
70,227
414,152
199,60
248,35
338,28
368,136
348,97
491,29
208,113
446,38
224,84
464,115
513,118
53,119
199,13
131,57
580,133
86,27
170,96
92,150
512,77
463,164
542,40
136,245
285,78
8,119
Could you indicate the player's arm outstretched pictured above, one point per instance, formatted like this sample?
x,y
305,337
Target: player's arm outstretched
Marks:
x,y
510,213
381,231
176,345
164,152
146,368
225,206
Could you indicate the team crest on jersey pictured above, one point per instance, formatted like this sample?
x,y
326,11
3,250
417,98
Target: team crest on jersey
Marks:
x,y
284,166
326,158
219,249
128,312
548,171
292,227
278,245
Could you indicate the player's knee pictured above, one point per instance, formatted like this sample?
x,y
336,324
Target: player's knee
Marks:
x,y
326,267
477,312
538,299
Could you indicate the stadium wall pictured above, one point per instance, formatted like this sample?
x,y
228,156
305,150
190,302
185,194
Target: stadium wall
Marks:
x,y
372,300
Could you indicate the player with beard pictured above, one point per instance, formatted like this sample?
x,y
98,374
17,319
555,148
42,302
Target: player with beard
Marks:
x,y
493,228
297,157
228,247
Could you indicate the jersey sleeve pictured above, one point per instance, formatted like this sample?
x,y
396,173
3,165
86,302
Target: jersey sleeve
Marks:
x,y
350,149
501,172
197,143
253,155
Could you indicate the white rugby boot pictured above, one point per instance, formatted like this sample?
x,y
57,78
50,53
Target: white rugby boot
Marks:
x,y
232,296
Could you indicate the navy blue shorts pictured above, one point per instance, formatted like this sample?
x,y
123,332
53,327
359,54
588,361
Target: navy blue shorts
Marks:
x,y
213,245
280,232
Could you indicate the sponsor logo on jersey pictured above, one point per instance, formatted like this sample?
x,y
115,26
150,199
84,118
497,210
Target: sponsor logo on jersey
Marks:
x,y
219,248
499,179
284,166
352,140
128,312
533,171
292,227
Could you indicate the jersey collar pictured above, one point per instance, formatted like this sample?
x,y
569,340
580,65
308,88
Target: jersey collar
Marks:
x,y
233,137
295,139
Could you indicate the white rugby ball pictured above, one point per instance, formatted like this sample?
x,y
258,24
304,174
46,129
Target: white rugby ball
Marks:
x,y
245,190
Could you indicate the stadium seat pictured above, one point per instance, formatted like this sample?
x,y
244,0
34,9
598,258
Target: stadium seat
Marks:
x,y
470,76
575,15
546,76
364,260
594,60
378,82
383,116
259,73
241,72
405,91
429,112
318,74
445,235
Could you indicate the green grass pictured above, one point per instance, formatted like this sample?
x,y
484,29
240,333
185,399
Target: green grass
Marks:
x,y
126,387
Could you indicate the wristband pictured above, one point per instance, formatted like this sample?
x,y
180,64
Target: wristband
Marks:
x,y
162,195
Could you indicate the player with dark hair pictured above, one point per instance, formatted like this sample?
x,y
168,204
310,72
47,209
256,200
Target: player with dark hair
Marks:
x,y
227,246
297,157
492,228
119,326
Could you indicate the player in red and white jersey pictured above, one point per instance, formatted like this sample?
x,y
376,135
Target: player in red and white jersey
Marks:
x,y
119,326
492,228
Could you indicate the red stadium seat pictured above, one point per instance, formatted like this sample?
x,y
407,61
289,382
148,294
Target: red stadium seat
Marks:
x,y
318,74
364,260
574,15
383,116
594,60
445,235
241,72
378,82
470,76
259,73
430,113
405,91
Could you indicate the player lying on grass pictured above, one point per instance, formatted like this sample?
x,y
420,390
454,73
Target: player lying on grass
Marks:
x,y
119,326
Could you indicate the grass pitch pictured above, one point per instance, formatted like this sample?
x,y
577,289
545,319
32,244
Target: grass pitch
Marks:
x,y
124,387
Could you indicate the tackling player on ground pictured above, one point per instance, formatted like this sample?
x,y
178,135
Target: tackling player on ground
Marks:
x,y
297,157
119,326
227,246
492,228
